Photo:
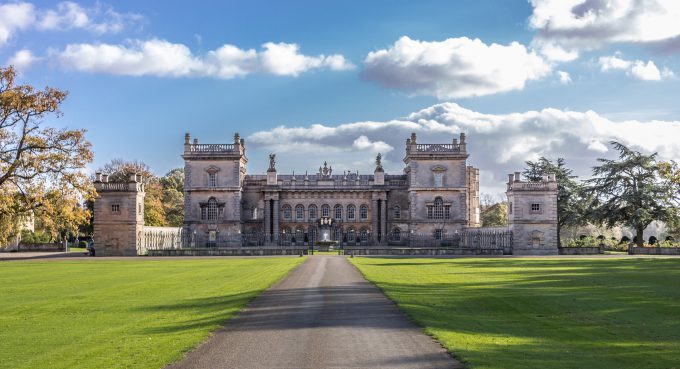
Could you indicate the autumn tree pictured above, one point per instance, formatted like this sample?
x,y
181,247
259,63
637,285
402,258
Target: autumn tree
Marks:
x,y
495,215
41,168
572,200
173,197
631,191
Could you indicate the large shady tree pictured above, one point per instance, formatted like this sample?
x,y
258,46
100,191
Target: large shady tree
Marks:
x,y
632,192
41,168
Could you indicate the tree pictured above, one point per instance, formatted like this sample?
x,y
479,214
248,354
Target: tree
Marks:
x,y
173,197
41,168
670,172
572,200
630,191
495,215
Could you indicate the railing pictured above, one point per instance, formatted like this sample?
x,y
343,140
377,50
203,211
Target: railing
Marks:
x,y
529,185
112,186
437,148
209,148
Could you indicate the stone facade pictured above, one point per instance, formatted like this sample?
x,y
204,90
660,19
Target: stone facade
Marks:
x,y
433,203
119,216
437,194
532,215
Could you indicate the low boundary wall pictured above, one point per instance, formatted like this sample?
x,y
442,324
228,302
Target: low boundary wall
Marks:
x,y
580,250
655,250
235,251
425,251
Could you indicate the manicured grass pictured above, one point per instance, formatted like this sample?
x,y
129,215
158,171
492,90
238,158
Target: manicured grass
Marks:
x,y
121,314
541,313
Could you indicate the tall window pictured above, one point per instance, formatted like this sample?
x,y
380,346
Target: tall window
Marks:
x,y
212,179
363,235
438,234
397,212
325,210
439,179
212,209
396,234
287,212
351,210
299,212
337,212
438,210
312,212
363,212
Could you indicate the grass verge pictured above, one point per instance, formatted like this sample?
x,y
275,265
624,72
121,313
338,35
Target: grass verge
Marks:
x,y
122,314
541,313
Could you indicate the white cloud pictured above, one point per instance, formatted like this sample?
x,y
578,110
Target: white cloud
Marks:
x,y
591,24
22,60
565,77
455,67
638,69
165,59
65,15
498,143
14,17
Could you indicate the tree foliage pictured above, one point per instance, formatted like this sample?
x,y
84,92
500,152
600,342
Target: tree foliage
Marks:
x,y
41,168
631,191
495,215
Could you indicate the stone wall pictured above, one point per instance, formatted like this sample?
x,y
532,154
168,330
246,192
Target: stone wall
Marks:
x,y
655,250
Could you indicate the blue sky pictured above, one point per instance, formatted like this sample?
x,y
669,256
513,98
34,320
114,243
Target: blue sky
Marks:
x,y
364,74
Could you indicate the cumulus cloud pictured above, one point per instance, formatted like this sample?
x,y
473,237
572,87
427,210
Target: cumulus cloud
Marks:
x,y
165,59
637,69
14,17
65,15
455,67
498,143
22,60
590,24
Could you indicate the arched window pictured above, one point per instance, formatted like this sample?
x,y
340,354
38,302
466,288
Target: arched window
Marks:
x,y
439,210
312,212
287,212
396,234
351,235
351,210
299,212
337,212
212,209
363,234
397,212
299,234
325,210
363,212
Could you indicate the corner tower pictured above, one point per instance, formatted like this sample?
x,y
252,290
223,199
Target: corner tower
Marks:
x,y
118,216
441,187
213,182
532,215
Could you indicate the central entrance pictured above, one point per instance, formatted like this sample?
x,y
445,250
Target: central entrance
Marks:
x,y
325,224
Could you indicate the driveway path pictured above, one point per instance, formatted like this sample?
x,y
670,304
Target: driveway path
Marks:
x,y
322,315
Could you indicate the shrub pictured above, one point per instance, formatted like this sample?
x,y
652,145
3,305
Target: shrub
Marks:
x,y
82,244
35,237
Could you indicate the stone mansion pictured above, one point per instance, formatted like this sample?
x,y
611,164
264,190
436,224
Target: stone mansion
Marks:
x,y
437,196
433,203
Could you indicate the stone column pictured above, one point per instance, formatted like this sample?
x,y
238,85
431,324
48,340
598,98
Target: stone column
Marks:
x,y
267,223
276,219
374,220
383,221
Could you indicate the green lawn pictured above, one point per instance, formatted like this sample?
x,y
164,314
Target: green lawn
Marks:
x,y
541,313
121,314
